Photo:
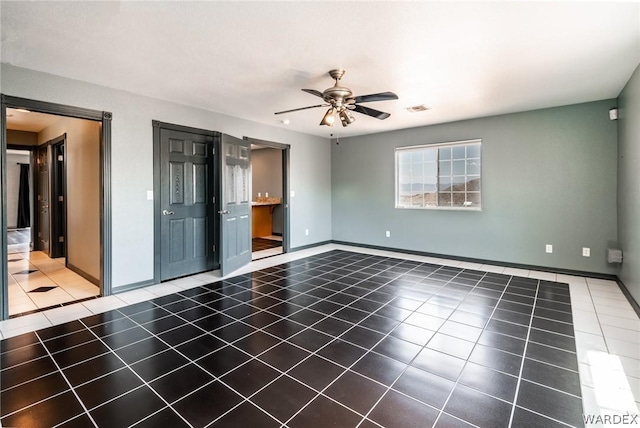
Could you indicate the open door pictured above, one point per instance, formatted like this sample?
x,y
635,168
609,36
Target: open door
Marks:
x,y
235,212
43,230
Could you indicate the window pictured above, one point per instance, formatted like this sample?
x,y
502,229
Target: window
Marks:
x,y
439,176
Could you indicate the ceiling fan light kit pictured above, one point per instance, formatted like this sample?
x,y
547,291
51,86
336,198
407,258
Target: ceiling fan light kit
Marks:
x,y
341,102
329,117
346,117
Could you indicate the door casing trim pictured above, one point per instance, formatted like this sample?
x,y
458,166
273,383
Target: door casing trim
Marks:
x,y
53,169
7,101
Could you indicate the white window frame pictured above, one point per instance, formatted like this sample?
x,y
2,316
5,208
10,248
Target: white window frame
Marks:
x,y
399,151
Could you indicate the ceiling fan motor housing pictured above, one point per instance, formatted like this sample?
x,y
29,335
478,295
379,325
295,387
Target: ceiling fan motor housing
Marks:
x,y
337,96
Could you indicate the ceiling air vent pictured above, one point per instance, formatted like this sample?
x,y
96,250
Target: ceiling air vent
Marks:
x,y
416,109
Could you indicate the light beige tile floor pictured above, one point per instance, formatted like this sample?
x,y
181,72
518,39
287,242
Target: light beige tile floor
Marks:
x,y
48,272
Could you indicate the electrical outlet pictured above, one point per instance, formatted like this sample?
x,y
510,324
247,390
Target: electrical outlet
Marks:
x,y
586,252
388,234
549,248
306,232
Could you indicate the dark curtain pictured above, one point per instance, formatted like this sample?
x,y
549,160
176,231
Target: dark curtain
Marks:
x,y
24,205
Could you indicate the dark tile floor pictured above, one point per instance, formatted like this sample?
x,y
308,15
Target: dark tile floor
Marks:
x,y
259,244
338,339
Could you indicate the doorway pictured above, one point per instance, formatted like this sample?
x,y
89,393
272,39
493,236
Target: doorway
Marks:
x,y
19,199
49,185
56,249
268,209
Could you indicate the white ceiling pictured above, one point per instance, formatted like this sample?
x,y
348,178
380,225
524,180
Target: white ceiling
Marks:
x,y
250,59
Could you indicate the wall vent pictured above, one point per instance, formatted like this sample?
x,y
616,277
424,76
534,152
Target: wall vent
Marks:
x,y
614,255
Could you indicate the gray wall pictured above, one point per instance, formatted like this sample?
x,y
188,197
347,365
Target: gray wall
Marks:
x,y
82,165
266,176
629,183
549,177
266,172
132,158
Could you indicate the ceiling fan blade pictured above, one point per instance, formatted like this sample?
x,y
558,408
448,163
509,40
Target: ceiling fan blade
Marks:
x,y
301,108
371,112
314,92
382,96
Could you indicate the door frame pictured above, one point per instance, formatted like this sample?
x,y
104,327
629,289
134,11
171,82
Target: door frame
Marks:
x,y
55,188
33,177
157,208
7,101
286,221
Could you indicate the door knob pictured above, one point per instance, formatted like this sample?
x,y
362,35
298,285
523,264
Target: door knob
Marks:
x,y
223,212
166,212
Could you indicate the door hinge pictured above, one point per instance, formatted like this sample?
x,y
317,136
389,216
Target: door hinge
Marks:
x,y
213,200
213,151
213,249
60,158
60,198
60,238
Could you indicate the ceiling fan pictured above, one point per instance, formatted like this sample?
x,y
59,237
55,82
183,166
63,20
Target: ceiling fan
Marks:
x,y
341,102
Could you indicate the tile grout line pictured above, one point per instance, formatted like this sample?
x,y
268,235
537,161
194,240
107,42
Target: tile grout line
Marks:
x,y
35,267
282,374
389,387
192,361
144,382
595,310
236,340
314,353
345,249
321,393
34,404
67,381
438,331
484,328
524,356
325,316
169,293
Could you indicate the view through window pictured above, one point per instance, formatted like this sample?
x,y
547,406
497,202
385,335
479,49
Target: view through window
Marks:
x,y
436,176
